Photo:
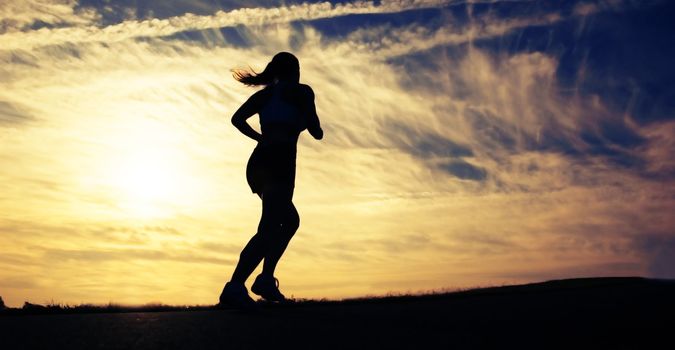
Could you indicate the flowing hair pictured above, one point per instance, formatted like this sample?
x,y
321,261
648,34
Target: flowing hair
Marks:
x,y
283,64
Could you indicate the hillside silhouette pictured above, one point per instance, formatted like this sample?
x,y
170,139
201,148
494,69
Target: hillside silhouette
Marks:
x,y
621,313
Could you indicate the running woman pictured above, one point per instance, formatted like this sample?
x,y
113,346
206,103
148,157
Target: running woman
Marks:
x,y
286,108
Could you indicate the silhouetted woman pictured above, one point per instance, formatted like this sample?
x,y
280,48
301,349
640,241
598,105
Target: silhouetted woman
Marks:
x,y
286,108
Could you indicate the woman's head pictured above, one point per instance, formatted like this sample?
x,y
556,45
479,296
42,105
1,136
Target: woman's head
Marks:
x,y
284,66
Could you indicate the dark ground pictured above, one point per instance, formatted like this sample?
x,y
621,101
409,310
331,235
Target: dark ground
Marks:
x,y
598,313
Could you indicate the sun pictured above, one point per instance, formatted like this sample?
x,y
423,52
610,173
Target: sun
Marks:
x,y
149,180
148,174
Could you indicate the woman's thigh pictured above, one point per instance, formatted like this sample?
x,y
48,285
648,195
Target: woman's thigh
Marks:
x,y
278,206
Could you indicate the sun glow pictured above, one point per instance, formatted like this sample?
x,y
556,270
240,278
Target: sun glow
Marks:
x,y
148,181
466,145
151,176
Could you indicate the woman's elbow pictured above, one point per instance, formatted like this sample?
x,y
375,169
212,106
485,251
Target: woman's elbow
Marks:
x,y
236,121
317,133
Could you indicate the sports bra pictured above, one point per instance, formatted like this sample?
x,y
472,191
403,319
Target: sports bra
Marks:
x,y
276,110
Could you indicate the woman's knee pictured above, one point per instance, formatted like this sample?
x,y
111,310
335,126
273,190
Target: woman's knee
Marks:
x,y
291,227
292,223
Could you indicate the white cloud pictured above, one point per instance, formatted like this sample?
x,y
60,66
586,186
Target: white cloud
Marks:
x,y
161,27
374,194
17,15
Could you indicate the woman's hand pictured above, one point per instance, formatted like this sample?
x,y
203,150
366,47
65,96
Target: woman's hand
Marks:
x,y
263,141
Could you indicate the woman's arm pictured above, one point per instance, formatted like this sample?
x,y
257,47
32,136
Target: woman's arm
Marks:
x,y
313,124
247,110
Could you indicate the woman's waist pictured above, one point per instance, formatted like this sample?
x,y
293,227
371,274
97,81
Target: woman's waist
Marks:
x,y
281,134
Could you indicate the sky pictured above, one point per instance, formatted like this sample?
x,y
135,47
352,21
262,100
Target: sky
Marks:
x,y
467,143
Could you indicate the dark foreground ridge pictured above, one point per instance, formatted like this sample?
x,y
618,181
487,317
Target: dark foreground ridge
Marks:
x,y
621,313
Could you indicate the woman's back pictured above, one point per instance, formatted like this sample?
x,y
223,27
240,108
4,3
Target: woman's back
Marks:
x,y
287,110
281,106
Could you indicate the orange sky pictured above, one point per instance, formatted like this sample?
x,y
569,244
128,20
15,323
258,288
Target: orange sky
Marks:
x,y
122,179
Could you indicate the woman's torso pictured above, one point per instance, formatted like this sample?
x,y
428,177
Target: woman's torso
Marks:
x,y
281,120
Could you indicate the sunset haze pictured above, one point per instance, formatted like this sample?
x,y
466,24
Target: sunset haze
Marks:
x,y
467,143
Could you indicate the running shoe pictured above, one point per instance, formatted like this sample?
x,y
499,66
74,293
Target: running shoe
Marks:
x,y
235,295
268,288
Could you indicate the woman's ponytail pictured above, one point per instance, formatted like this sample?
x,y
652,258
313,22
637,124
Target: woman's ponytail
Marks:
x,y
251,78
283,65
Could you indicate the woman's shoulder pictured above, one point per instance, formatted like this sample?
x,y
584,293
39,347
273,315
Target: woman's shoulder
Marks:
x,y
261,96
305,91
296,92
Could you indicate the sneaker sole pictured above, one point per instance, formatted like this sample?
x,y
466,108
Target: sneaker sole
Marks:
x,y
261,294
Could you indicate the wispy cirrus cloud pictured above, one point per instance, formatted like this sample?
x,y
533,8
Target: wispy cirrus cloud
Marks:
x,y
10,114
462,153
163,27
18,16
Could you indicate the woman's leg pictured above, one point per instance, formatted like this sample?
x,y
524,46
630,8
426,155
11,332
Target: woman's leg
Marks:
x,y
251,255
249,259
270,240
290,223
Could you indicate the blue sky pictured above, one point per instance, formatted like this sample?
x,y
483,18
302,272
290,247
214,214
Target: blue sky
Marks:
x,y
467,143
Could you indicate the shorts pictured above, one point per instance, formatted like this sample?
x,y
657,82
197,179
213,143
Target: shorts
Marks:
x,y
271,167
